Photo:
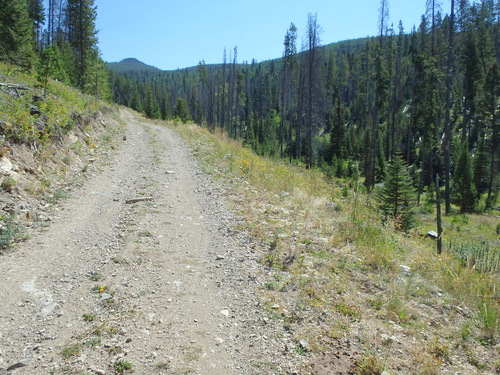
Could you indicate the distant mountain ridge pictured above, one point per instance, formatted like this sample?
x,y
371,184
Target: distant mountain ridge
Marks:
x,y
131,65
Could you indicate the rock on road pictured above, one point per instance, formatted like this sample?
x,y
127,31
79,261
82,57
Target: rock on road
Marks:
x,y
139,268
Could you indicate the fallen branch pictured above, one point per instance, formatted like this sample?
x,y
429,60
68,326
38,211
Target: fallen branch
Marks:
x,y
12,89
14,86
135,200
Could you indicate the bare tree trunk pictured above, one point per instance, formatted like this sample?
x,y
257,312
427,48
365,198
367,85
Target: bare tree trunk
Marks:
x,y
447,120
438,217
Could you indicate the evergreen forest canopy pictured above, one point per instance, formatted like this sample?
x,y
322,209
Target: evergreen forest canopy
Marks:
x,y
431,95
59,42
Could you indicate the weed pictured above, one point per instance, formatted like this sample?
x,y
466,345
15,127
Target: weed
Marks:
x,y
115,350
465,332
439,351
93,342
271,285
369,365
300,350
397,309
472,359
88,317
100,288
95,277
350,311
67,159
497,366
121,366
8,184
489,320
10,231
145,233
71,351
122,261
479,256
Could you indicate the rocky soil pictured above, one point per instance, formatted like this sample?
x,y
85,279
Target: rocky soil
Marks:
x,y
141,269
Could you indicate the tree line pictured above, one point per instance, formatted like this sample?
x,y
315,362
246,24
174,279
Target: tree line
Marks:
x,y
59,42
431,95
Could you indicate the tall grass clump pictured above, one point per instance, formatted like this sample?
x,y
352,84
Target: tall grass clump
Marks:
x,y
480,256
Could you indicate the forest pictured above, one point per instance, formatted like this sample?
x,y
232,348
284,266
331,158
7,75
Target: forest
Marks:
x,y
429,97
58,41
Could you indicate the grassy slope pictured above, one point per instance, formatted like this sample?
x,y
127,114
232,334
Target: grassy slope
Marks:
x,y
60,107
52,149
341,280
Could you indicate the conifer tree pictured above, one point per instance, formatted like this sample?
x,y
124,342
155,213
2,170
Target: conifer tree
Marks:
x,y
16,33
463,190
37,15
82,35
181,110
397,196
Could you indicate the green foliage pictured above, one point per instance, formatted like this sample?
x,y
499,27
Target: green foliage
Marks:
x,y
71,351
61,109
52,65
477,255
10,231
369,365
181,110
16,30
463,188
121,366
397,196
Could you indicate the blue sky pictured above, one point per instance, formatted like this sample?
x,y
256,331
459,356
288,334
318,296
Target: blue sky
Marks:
x,y
171,34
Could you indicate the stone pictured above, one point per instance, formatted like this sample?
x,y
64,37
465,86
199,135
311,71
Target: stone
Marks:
x,y
404,268
106,296
22,363
220,257
225,312
432,234
5,166
304,344
219,341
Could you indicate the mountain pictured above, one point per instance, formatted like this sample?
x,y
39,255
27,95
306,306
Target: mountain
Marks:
x,y
131,65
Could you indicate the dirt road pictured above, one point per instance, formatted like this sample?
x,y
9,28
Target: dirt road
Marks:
x,y
139,268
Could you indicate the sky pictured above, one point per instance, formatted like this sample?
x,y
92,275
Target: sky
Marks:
x,y
172,34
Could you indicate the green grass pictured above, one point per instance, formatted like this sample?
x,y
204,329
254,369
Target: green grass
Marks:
x,y
122,366
71,351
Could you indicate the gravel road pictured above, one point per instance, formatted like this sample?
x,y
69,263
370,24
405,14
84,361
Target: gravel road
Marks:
x,y
141,267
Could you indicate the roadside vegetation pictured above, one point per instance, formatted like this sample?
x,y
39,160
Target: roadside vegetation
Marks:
x,y
337,268
50,134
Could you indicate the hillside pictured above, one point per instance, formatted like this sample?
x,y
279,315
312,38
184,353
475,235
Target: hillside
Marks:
x,y
130,65
134,65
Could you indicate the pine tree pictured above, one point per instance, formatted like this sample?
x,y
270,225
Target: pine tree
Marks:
x,y
463,190
16,33
37,15
82,36
181,110
397,196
